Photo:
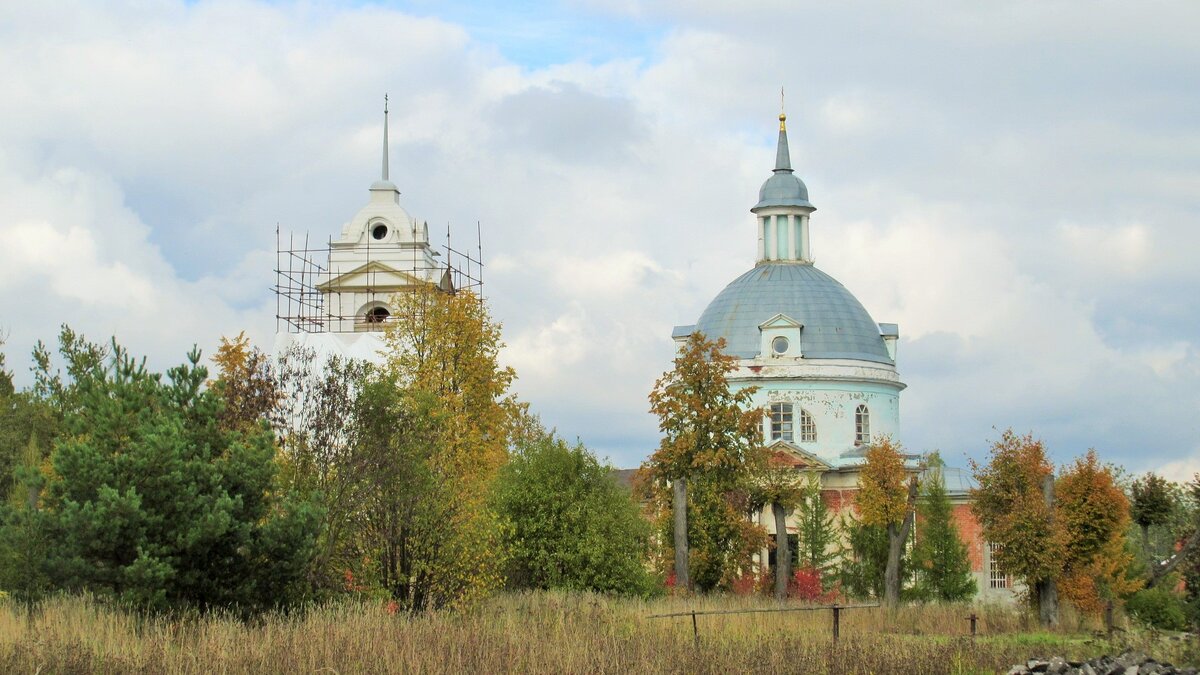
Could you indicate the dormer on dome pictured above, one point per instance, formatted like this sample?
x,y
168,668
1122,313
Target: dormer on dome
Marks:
x,y
779,337
783,210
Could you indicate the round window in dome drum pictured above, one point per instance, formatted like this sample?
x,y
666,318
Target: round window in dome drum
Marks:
x,y
779,345
379,231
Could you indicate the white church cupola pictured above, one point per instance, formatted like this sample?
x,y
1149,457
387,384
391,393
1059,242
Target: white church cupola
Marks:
x,y
783,210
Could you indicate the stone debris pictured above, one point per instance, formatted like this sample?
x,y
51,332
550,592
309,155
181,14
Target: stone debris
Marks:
x,y
1129,663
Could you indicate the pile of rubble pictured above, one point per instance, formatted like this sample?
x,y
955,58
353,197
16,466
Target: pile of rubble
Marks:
x,y
1129,663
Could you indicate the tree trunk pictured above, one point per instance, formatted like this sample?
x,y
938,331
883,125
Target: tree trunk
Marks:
x,y
1047,589
897,536
679,504
1158,572
783,552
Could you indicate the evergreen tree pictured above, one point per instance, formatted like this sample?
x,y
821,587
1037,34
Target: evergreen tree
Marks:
x,y
151,501
816,529
570,525
940,557
865,559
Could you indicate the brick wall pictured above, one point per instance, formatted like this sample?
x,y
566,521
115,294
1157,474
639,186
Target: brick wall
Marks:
x,y
971,534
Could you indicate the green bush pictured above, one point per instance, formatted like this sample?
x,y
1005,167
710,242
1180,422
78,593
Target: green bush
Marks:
x,y
1158,608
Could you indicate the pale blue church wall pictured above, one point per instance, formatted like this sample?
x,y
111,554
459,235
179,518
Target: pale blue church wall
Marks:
x,y
832,406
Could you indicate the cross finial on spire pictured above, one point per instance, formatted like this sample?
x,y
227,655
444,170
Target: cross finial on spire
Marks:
x,y
385,137
782,112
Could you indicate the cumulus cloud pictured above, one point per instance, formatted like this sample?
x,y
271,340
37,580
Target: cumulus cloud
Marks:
x,y
978,183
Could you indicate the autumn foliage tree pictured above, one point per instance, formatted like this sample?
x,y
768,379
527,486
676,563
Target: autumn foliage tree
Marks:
x,y
885,501
779,486
710,448
246,383
1094,515
443,349
1013,512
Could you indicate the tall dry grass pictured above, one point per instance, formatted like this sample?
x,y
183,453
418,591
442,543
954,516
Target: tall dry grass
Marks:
x,y
543,632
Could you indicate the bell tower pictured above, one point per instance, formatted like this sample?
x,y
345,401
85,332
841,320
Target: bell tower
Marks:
x,y
381,251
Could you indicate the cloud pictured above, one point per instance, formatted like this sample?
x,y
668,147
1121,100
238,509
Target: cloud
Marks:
x,y
977,180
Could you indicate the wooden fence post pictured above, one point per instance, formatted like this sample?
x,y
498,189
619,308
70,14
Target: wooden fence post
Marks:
x,y
1108,618
695,630
973,619
837,611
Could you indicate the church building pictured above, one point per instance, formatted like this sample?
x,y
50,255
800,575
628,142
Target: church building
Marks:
x,y
824,368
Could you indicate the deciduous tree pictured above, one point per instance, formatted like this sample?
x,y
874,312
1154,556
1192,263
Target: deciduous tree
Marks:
x,y
710,447
884,502
779,486
1094,514
443,349
1011,507
570,525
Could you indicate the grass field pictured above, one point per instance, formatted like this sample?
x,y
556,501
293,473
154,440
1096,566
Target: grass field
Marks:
x,y
544,632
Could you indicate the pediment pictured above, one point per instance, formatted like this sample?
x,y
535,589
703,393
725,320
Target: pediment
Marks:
x,y
780,321
374,275
786,453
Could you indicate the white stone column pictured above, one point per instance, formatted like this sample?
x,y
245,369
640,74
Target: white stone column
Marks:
x,y
805,251
762,243
791,231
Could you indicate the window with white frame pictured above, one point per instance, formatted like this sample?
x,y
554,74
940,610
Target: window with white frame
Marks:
x,y
781,421
808,428
997,578
862,425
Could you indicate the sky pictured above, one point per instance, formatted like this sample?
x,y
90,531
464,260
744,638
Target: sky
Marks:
x,y
1017,185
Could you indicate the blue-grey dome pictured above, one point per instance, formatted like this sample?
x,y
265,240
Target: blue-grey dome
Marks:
x,y
783,189
836,326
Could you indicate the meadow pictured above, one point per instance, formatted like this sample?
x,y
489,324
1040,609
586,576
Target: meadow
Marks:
x,y
546,632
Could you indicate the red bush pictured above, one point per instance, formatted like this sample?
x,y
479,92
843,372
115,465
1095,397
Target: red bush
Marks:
x,y
806,585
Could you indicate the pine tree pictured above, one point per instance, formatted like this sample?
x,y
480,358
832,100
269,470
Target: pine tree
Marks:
x,y
151,502
816,528
940,556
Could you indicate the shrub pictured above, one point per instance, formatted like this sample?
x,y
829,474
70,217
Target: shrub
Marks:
x,y
1158,608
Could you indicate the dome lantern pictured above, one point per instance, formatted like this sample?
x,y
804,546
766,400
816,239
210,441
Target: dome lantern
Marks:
x,y
783,210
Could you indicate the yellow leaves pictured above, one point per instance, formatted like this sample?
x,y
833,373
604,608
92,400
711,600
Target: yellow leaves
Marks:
x,y
246,384
706,426
447,345
882,497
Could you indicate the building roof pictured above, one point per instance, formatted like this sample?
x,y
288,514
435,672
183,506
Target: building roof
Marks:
x,y
836,326
958,482
783,188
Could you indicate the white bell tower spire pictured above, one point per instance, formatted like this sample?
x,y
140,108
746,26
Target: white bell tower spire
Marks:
x,y
385,138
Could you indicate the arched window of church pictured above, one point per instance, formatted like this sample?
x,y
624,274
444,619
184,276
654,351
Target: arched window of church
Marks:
x,y
862,425
781,421
808,428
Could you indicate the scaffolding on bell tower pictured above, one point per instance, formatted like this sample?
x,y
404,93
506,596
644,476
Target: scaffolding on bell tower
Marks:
x,y
307,302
